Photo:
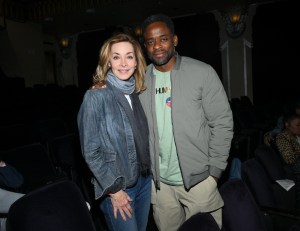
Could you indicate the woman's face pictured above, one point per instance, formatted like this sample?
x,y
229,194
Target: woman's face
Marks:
x,y
294,127
122,60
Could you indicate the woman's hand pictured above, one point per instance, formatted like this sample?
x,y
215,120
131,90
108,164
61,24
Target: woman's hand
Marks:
x,y
120,201
98,86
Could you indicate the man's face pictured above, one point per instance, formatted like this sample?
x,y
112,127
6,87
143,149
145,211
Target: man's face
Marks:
x,y
160,44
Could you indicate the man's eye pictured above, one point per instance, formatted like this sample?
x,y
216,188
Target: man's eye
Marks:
x,y
149,43
164,39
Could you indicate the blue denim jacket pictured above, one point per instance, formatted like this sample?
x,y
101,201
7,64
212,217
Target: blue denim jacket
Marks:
x,y
107,141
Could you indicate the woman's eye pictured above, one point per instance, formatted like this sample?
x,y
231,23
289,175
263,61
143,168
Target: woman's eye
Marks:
x,y
115,57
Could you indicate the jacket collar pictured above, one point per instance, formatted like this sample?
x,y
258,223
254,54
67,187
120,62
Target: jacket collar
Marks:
x,y
176,67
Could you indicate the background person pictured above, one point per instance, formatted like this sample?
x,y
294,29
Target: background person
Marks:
x,y
288,144
270,136
10,181
10,178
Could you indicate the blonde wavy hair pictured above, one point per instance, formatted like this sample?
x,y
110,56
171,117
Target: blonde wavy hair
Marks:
x,y
102,69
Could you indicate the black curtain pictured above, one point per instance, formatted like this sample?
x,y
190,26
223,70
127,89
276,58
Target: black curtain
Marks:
x,y
198,37
275,57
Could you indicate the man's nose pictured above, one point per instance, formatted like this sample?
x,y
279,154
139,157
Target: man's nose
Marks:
x,y
157,43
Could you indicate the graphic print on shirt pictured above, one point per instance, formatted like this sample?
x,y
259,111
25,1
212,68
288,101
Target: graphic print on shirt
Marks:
x,y
166,91
168,102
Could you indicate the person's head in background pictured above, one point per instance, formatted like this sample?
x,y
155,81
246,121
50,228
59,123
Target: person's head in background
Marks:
x,y
290,107
292,123
160,41
122,55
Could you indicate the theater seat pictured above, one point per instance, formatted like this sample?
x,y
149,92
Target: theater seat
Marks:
x,y
59,206
240,212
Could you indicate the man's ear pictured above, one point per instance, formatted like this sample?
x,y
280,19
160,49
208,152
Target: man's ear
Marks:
x,y
175,40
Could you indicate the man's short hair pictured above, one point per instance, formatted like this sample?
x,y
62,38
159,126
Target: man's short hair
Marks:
x,y
159,18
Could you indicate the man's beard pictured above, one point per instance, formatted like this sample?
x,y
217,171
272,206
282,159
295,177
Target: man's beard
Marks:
x,y
162,61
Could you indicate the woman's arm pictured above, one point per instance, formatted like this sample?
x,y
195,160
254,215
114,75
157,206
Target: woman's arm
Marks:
x,y
95,143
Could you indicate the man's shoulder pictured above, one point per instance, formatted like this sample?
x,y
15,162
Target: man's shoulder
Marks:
x,y
149,67
193,61
198,67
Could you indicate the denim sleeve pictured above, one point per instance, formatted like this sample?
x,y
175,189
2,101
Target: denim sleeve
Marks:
x,y
95,147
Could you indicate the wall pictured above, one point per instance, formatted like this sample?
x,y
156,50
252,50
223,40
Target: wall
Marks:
x,y
237,58
22,52
9,62
272,52
276,53
27,53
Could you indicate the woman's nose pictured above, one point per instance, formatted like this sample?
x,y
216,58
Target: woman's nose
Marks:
x,y
123,63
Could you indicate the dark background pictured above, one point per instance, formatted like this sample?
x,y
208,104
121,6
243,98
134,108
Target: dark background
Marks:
x,y
275,50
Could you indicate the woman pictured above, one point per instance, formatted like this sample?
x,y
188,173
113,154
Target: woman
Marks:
x,y
114,135
288,144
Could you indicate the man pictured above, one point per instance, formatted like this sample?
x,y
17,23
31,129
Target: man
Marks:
x,y
191,128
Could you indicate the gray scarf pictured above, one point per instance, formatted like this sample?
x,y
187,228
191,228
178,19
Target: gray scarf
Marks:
x,y
127,86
